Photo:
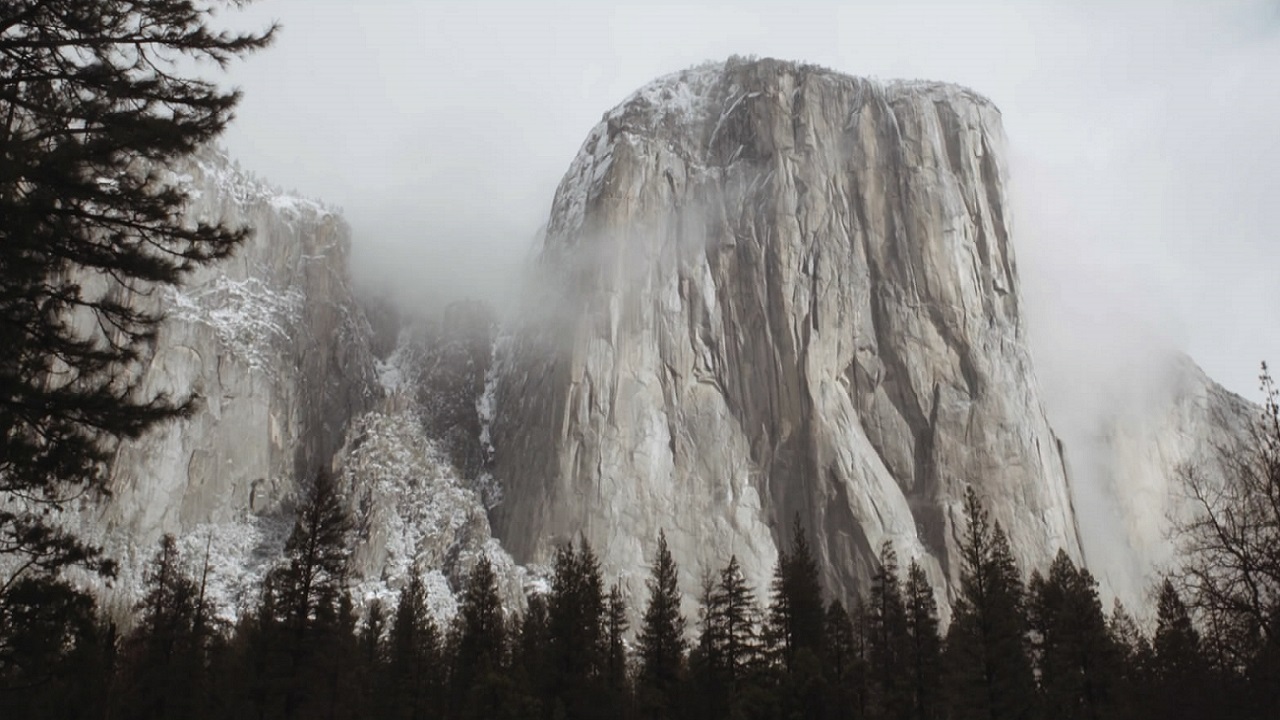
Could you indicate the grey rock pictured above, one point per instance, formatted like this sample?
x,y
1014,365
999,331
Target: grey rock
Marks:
x,y
767,291
276,350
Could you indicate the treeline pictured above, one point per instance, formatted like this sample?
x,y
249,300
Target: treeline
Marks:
x,y
1041,649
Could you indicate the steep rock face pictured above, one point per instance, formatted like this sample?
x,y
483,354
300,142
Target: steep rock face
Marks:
x,y
771,290
292,378
277,351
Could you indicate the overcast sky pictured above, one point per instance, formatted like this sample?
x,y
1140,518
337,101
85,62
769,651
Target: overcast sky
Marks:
x,y
1144,140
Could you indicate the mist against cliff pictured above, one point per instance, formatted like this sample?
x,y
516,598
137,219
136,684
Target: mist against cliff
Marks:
x,y
1141,138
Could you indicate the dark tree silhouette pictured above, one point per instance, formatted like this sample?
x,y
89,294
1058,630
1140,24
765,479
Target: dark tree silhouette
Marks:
x,y
797,612
479,642
1231,544
1179,667
415,662
989,673
95,98
729,640
924,647
887,615
1075,657
577,642
661,639
167,654
300,610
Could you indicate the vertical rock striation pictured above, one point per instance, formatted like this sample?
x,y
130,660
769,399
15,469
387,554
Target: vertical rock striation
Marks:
x,y
275,348
770,290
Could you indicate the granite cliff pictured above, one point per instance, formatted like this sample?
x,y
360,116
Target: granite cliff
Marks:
x,y
770,291
291,378
767,293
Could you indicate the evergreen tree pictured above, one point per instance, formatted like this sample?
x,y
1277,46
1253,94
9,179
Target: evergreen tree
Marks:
x,y
733,620
299,614
860,673
1180,671
616,627
342,678
661,638
577,642
307,587
372,629
924,648
796,610
889,641
841,656
97,97
729,645
415,666
53,651
530,655
1133,657
989,673
1074,655
166,654
479,642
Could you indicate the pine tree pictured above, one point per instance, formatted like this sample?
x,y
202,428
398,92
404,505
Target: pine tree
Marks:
x,y
97,97
530,654
989,672
1180,670
861,674
889,641
479,642
796,609
372,629
661,637
924,648
166,656
1133,655
577,642
50,643
341,676
415,664
616,627
736,614
842,661
1074,655
729,638
301,602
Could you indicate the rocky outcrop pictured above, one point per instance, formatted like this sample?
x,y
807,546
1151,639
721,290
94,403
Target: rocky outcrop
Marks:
x,y
276,351
291,378
772,291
